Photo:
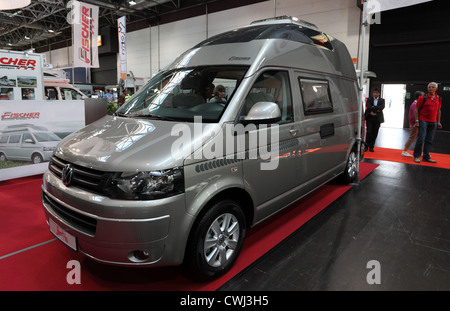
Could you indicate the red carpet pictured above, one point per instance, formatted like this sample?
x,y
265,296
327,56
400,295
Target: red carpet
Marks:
x,y
394,155
43,267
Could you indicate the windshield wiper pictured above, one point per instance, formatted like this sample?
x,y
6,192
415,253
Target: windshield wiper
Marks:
x,y
119,114
157,117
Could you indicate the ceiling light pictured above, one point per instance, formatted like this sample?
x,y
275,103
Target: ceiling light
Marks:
x,y
9,43
51,30
132,2
26,37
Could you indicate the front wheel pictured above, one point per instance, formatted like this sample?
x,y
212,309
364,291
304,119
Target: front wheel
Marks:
x,y
216,240
36,158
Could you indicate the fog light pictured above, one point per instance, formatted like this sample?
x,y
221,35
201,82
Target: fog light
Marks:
x,y
139,255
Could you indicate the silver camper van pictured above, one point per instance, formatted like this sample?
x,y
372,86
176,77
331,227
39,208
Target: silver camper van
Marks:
x,y
179,172
27,142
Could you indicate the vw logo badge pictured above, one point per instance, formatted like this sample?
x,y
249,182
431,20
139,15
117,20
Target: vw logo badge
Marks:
x,y
66,174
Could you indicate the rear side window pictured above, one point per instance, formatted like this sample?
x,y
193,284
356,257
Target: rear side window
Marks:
x,y
14,139
316,96
51,93
3,139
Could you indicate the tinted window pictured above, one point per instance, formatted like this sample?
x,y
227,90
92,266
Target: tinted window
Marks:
x,y
184,93
69,94
27,136
50,93
316,96
271,86
280,31
4,139
14,139
43,137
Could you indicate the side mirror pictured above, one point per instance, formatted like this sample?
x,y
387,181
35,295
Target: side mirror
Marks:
x,y
29,141
263,113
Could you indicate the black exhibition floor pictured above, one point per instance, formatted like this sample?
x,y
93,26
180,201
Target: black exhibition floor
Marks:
x,y
398,216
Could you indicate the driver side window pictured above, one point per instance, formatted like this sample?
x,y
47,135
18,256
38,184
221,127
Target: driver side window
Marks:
x,y
271,86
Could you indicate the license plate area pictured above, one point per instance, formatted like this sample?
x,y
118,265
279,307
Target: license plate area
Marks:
x,y
62,235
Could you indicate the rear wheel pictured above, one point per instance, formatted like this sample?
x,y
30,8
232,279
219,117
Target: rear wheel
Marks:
x,y
216,240
2,157
351,169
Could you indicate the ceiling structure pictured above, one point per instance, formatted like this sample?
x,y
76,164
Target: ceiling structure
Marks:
x,y
43,25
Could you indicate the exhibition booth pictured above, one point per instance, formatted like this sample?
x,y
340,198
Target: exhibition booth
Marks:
x,y
32,122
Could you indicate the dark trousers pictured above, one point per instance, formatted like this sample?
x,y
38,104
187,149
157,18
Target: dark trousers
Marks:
x,y
425,139
373,126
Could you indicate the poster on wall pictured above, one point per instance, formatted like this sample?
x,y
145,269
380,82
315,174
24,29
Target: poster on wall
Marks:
x,y
30,132
21,76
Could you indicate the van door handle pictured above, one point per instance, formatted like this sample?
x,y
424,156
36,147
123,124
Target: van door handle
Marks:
x,y
293,132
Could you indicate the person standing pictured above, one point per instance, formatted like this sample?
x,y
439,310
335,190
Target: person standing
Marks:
x,y
428,118
374,117
123,98
108,95
412,129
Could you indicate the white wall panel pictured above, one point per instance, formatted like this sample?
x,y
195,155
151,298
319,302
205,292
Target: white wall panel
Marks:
x,y
150,50
177,37
138,56
231,19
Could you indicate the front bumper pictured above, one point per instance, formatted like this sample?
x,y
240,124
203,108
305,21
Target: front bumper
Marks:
x,y
119,232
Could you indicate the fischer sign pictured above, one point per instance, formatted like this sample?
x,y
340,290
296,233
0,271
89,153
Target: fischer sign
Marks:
x,y
87,29
20,115
18,63
84,20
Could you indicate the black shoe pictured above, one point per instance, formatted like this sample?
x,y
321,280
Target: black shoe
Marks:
x,y
371,149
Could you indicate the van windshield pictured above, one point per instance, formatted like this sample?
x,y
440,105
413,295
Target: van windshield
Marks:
x,y
43,137
183,93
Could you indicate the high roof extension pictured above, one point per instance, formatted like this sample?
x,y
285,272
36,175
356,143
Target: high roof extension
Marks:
x,y
283,20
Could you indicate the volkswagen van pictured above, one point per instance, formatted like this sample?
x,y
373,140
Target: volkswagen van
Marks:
x,y
27,142
174,178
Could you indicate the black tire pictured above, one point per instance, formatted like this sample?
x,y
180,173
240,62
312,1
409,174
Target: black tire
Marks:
x,y
216,240
3,157
36,158
350,172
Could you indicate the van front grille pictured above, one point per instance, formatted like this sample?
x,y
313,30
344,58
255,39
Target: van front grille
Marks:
x,y
83,177
79,221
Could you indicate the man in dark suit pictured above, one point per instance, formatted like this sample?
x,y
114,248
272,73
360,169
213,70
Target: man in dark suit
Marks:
x,y
374,117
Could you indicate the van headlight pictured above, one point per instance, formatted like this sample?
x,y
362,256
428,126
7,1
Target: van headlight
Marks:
x,y
147,185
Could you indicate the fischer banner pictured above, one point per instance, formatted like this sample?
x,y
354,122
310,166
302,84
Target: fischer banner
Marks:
x,y
122,30
21,76
84,20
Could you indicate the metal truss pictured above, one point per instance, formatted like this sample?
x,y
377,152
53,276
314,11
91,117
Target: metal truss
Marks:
x,y
44,23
